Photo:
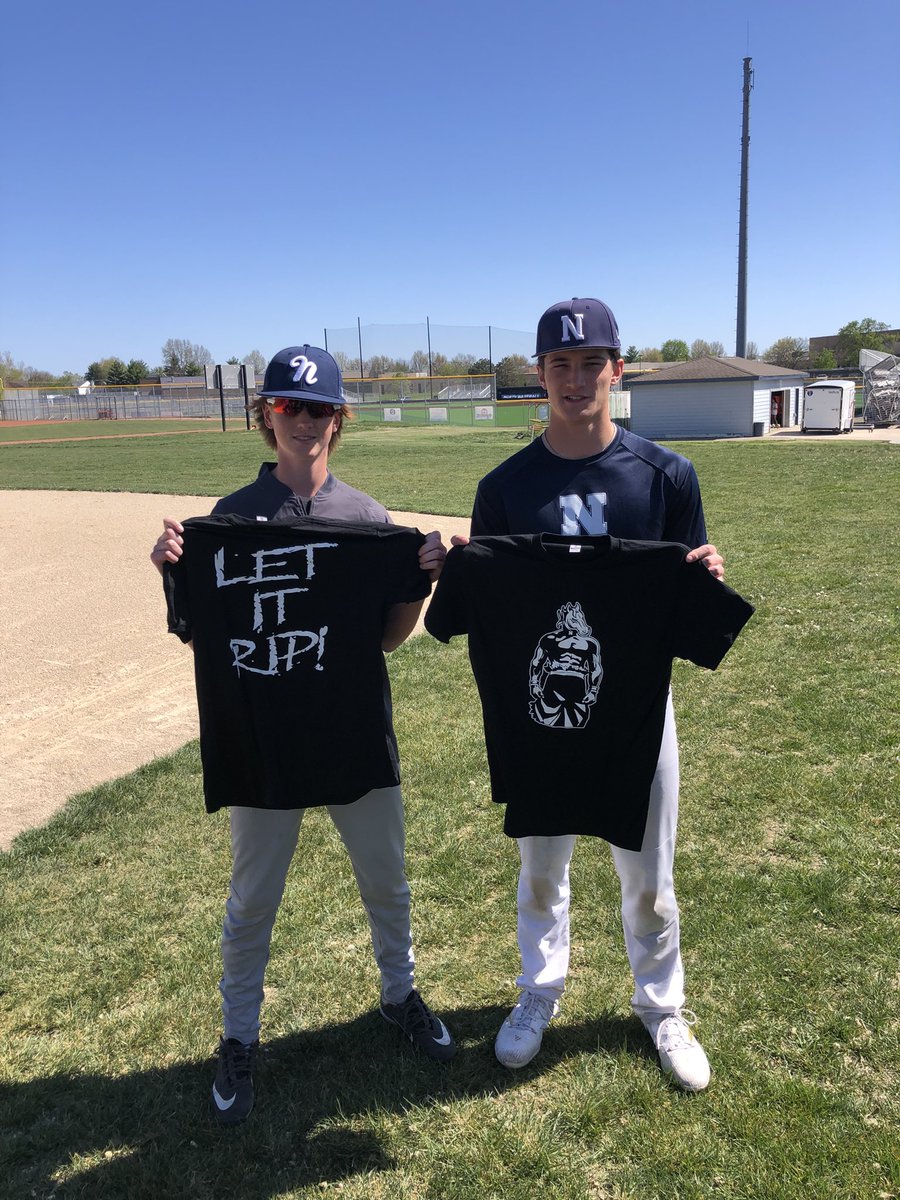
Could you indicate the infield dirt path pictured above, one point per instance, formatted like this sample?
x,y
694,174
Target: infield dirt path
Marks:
x,y
92,685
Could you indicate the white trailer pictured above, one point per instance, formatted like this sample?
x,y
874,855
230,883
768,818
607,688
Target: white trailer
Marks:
x,y
829,404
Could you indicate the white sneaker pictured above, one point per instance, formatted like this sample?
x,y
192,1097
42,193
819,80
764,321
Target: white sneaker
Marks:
x,y
680,1054
521,1033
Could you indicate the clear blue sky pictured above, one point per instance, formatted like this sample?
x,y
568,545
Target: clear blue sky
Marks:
x,y
244,174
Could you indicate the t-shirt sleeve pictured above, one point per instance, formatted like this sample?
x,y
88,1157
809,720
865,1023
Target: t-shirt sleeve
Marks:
x,y
446,615
709,616
406,581
685,522
177,607
487,515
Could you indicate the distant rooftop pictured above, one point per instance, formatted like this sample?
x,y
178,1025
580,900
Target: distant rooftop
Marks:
x,y
713,370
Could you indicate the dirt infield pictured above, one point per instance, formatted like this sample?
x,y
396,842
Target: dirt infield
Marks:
x,y
93,686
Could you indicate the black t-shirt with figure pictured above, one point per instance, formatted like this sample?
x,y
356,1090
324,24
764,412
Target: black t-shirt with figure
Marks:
x,y
571,641
286,620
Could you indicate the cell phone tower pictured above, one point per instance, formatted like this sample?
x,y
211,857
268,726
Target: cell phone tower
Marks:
x,y
740,347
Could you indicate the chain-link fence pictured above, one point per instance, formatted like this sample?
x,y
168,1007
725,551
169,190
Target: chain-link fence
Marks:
x,y
117,403
395,374
365,351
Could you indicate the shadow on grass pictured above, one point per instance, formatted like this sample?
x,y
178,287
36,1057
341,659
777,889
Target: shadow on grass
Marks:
x,y
322,1096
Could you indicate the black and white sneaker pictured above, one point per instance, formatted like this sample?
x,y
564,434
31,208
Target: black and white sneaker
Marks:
x,y
426,1031
232,1093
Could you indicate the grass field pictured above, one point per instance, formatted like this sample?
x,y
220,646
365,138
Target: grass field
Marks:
x,y
787,874
45,431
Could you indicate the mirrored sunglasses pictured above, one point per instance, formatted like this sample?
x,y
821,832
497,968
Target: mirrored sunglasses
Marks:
x,y
288,406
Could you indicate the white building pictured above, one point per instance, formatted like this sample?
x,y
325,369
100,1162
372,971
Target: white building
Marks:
x,y
715,397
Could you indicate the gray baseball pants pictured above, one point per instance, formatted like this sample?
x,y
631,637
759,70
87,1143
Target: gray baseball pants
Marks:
x,y
263,843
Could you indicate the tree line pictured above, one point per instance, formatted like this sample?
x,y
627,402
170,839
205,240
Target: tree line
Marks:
x,y
183,357
784,352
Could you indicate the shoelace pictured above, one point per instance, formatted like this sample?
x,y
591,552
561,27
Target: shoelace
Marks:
x,y
533,1011
415,1015
237,1061
673,1031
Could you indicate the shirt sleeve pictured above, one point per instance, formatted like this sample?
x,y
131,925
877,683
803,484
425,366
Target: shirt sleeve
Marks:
x,y
177,606
709,616
406,581
446,615
487,515
685,522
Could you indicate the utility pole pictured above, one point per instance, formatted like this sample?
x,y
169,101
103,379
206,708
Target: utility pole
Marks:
x,y
740,347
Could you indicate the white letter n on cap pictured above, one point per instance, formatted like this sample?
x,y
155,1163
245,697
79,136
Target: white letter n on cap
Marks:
x,y
575,328
305,366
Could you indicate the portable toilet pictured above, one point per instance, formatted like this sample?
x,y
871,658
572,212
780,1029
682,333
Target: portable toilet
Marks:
x,y
829,404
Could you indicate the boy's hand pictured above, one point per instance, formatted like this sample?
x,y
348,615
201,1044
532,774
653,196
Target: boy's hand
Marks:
x,y
169,545
711,559
432,553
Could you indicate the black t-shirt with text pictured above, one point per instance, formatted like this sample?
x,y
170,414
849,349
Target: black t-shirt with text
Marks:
x,y
286,620
571,641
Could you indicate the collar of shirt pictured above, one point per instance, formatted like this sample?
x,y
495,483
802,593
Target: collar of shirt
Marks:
x,y
280,501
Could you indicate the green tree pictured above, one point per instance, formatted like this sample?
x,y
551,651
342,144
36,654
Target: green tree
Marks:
x,y
856,336
18,374
14,374
510,371
116,372
825,360
675,350
650,354
788,352
136,370
631,354
96,373
481,366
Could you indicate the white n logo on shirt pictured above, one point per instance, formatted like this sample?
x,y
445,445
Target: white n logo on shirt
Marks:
x,y
583,516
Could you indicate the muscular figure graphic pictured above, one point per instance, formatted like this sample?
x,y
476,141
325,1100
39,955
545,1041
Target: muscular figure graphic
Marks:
x,y
565,672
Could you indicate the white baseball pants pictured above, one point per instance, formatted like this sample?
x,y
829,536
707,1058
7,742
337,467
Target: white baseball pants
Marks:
x,y
263,843
649,908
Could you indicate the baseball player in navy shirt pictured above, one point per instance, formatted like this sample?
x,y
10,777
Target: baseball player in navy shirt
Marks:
x,y
586,475
300,412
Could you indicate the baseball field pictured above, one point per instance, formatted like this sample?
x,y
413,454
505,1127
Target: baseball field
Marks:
x,y
787,870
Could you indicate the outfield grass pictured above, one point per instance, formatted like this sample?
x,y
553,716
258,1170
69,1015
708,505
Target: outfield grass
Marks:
x,y
408,469
788,881
44,431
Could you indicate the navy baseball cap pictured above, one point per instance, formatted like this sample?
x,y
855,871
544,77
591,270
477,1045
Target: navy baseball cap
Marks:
x,y
304,373
573,323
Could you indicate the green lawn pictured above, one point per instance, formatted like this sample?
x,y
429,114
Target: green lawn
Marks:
x,y
406,469
788,880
